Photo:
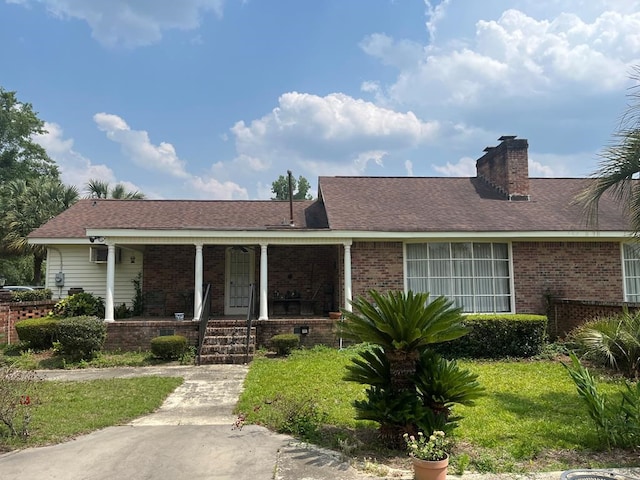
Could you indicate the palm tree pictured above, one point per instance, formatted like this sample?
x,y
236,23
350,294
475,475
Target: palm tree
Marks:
x,y
28,204
100,189
619,166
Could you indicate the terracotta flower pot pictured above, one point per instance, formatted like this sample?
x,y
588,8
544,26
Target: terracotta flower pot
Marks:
x,y
335,315
430,470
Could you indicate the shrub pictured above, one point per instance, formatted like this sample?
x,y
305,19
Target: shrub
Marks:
x,y
31,295
122,311
612,341
285,342
169,347
81,337
80,304
618,425
18,390
39,333
498,336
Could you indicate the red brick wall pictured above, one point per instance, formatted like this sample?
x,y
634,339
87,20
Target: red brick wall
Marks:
x,y
564,315
129,335
576,270
322,331
13,312
376,265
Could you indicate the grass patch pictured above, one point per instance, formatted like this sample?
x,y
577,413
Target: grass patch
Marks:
x,y
63,410
530,419
48,360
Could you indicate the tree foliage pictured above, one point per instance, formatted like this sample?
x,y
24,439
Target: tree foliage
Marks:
x,y
20,156
619,166
100,189
28,204
300,188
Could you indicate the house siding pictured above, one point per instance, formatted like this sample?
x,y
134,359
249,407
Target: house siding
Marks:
x,y
574,270
79,272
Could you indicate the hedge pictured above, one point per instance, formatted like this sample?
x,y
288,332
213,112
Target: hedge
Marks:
x,y
284,343
169,347
39,333
498,336
81,337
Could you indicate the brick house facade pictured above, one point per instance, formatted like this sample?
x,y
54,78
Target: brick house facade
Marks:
x,y
497,242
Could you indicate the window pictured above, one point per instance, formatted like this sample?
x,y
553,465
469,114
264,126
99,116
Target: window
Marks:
x,y
631,255
475,276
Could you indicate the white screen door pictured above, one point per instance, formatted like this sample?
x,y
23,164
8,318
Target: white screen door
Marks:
x,y
239,276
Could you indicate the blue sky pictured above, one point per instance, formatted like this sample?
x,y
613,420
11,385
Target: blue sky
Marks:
x,y
214,99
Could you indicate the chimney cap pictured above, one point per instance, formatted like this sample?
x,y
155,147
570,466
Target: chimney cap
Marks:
x,y
507,137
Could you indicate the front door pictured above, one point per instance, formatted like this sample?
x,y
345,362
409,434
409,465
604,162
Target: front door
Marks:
x,y
240,268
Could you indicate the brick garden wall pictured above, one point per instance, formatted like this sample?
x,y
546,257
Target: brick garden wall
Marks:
x,y
322,331
580,270
564,315
12,312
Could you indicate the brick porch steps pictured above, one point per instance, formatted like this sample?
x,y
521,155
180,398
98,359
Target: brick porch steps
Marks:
x,y
227,345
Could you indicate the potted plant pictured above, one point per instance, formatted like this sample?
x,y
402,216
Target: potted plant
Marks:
x,y
429,454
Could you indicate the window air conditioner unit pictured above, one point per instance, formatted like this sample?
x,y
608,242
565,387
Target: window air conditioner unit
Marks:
x,y
99,254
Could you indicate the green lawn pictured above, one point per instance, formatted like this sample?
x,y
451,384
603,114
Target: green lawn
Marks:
x,y
62,410
530,418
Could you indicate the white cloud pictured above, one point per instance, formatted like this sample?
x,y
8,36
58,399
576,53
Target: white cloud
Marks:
x,y
138,147
515,55
75,169
400,54
332,129
408,165
132,23
466,167
212,189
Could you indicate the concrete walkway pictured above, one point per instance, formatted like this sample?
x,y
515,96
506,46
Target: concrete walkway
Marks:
x,y
190,437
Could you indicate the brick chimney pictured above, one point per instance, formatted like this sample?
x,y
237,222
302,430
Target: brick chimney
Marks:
x,y
506,168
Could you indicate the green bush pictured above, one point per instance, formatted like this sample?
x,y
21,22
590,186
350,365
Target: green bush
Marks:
x,y
498,336
81,337
169,347
80,304
31,295
284,343
39,333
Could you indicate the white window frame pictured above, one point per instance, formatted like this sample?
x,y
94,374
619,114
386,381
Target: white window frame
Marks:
x,y
509,262
625,273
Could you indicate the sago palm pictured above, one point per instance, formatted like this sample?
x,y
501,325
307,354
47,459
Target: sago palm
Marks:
x,y
402,324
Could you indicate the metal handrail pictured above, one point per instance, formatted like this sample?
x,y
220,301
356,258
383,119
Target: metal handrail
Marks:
x,y
205,311
250,312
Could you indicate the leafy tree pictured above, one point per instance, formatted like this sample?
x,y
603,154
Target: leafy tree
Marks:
x,y
99,189
300,187
619,166
20,156
28,205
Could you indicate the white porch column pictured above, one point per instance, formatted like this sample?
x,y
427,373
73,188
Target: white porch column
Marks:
x,y
347,277
197,290
111,280
264,284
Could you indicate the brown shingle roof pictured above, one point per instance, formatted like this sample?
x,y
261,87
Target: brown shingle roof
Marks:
x,y
382,204
176,215
437,204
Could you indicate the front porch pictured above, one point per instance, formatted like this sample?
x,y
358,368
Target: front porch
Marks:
x,y
136,333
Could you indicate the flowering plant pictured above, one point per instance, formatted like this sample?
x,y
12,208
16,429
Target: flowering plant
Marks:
x,y
433,448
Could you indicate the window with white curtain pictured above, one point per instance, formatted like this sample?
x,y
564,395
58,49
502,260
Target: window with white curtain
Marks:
x,y
475,276
631,254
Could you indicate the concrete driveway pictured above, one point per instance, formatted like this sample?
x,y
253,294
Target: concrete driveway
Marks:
x,y
189,437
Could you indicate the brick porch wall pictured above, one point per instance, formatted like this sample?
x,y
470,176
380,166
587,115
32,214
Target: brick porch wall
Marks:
x,y
589,270
135,335
13,312
322,331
